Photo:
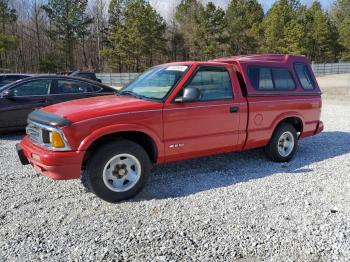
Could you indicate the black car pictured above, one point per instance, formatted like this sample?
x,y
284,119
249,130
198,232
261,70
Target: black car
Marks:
x,y
18,99
9,78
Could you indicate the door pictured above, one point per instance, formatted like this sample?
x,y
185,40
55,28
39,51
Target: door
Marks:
x,y
67,89
206,126
22,99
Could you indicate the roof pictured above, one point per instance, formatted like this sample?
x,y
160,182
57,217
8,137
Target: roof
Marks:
x,y
57,77
260,59
281,58
14,74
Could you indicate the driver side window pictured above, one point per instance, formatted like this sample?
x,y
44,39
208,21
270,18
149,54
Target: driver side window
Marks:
x,y
213,83
32,88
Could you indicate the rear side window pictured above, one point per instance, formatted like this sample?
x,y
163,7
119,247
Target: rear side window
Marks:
x,y
304,76
92,88
265,78
86,75
70,87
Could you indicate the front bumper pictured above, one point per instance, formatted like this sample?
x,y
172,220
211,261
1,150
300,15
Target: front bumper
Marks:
x,y
21,156
55,165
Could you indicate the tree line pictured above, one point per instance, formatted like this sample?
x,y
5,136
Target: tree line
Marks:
x,y
130,35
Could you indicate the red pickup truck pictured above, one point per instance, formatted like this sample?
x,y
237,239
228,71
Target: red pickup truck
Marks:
x,y
172,112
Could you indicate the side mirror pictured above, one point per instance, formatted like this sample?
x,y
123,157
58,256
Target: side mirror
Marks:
x,y
191,94
7,94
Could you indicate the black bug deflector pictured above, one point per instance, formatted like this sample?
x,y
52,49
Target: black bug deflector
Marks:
x,y
49,119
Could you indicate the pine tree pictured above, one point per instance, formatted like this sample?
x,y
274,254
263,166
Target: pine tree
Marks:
x,y
69,24
138,39
318,30
243,18
116,10
187,15
202,28
7,41
294,36
344,39
280,24
341,18
209,35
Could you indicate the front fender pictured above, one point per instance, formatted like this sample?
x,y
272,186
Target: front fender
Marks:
x,y
112,129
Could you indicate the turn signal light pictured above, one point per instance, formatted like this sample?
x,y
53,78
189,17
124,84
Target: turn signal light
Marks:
x,y
57,140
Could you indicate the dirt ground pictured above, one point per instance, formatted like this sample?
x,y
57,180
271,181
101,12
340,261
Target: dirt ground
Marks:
x,y
335,87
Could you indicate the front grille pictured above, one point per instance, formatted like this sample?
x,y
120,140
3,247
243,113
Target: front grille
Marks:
x,y
40,135
34,133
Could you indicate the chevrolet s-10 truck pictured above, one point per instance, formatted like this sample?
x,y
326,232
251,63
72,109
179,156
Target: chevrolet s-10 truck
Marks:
x,y
173,112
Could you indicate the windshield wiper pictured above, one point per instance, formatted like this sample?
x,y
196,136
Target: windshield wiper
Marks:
x,y
133,94
129,93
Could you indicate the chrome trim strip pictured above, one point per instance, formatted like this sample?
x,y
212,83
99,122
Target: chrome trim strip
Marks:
x,y
117,114
157,110
193,107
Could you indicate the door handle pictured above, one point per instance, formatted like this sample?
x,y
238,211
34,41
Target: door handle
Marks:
x,y
234,109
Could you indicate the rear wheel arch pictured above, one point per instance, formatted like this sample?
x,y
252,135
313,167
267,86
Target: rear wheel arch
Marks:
x,y
295,121
293,118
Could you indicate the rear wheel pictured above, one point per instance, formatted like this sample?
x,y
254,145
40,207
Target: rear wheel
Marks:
x,y
283,144
118,170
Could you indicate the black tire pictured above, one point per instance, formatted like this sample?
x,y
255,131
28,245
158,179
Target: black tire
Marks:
x,y
93,175
272,147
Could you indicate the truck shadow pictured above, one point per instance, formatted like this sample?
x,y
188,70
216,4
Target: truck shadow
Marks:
x,y
188,177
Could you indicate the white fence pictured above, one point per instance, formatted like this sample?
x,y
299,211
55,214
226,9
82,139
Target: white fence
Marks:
x,y
331,69
116,78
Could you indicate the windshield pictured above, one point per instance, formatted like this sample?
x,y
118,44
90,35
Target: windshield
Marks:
x,y
155,83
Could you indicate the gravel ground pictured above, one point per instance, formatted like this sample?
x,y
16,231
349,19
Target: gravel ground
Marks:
x,y
233,206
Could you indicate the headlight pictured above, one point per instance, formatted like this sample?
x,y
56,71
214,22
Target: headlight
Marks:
x,y
47,136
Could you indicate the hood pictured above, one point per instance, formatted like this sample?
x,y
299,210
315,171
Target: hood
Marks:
x,y
82,109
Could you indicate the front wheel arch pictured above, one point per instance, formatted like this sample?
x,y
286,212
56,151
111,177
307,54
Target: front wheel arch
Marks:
x,y
140,138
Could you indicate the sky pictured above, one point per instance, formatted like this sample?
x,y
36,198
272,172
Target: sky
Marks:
x,y
165,7
267,4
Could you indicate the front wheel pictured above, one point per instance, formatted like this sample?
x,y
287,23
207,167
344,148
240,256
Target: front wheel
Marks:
x,y
283,144
118,170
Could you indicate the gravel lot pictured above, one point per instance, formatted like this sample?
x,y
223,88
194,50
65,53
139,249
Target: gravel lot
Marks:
x,y
233,206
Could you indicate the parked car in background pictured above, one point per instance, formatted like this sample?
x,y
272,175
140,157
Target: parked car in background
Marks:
x,y
18,99
9,78
88,75
173,112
